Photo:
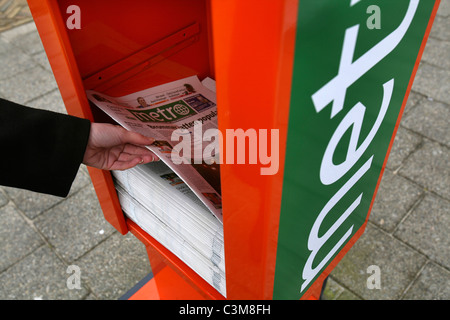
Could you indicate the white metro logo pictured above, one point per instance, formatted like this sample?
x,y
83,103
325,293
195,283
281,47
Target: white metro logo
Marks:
x,y
334,92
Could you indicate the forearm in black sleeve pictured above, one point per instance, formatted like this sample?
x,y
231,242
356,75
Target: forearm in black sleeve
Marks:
x,y
40,150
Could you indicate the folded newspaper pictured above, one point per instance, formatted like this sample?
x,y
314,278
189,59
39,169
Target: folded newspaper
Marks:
x,y
179,205
173,114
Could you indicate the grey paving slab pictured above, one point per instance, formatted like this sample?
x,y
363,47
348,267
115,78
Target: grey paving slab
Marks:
x,y
13,13
413,99
444,8
51,101
113,268
405,142
432,81
39,276
13,61
429,167
426,229
30,43
4,46
332,290
12,34
3,198
75,225
389,209
432,284
441,28
17,238
348,295
430,119
32,82
42,60
436,53
398,263
33,204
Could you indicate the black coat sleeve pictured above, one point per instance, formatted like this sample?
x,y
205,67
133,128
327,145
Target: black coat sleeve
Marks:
x,y
40,150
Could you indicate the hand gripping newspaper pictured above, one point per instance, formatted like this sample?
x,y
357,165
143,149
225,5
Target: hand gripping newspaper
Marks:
x,y
179,115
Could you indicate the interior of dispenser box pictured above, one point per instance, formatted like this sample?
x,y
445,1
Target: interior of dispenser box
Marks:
x,y
124,48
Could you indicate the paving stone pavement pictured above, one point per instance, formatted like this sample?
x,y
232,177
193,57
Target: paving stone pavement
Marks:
x,y
406,237
13,13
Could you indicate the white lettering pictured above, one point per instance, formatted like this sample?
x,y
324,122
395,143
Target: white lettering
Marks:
x,y
74,21
315,242
181,152
274,157
349,72
198,142
329,172
212,152
207,311
256,149
74,280
241,136
374,280
374,21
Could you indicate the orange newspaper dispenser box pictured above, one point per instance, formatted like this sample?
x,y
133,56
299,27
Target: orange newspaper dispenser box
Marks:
x,y
325,95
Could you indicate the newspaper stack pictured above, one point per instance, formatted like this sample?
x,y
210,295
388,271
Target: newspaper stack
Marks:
x,y
154,197
178,204
173,113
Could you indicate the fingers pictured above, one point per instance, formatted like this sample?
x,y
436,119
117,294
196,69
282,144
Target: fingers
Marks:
x,y
134,149
132,156
137,139
143,158
104,135
132,162
139,151
124,165
113,144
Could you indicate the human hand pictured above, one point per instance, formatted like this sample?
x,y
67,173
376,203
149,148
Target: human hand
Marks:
x,y
111,147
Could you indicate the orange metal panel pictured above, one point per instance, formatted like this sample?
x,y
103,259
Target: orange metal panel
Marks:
x,y
107,197
52,30
149,291
253,57
53,33
112,32
166,285
143,59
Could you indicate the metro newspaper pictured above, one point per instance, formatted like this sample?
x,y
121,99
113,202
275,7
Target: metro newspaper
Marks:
x,y
169,113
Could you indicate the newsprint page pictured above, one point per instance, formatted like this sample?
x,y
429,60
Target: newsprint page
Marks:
x,y
179,116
